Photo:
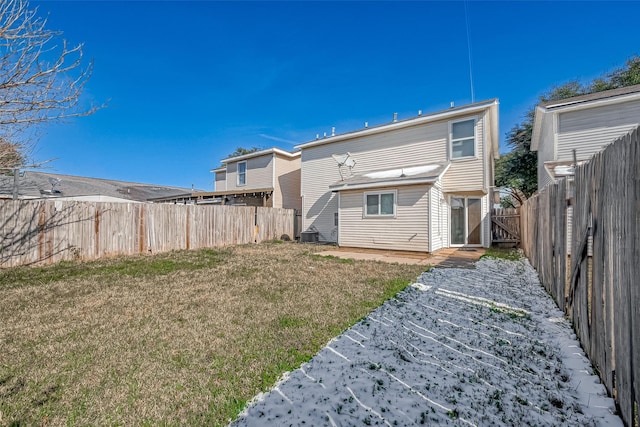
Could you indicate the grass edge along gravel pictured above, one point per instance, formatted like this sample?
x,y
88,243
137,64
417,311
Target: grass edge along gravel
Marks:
x,y
182,338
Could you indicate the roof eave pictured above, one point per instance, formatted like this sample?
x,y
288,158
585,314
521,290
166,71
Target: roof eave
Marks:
x,y
261,153
379,184
426,118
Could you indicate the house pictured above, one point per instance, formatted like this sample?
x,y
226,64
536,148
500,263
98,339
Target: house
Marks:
x,y
582,125
268,178
418,184
41,185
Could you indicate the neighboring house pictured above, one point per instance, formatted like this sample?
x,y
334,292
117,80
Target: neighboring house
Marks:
x,y
40,185
268,178
418,184
585,124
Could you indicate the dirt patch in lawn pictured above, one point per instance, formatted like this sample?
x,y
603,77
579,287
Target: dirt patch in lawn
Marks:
x,y
179,338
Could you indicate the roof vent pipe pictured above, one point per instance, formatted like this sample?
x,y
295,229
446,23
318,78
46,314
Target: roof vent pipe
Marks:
x,y
452,104
419,112
366,124
395,117
333,131
325,135
317,136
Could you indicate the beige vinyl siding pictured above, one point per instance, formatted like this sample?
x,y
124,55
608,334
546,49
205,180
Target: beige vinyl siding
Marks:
x,y
438,231
486,221
259,173
287,186
589,130
220,181
612,115
408,230
589,141
403,147
467,174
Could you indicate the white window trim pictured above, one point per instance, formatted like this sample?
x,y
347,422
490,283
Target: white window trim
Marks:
x,y
475,139
238,174
379,193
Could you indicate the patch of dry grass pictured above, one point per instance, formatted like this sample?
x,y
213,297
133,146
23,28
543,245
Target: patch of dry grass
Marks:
x,y
174,339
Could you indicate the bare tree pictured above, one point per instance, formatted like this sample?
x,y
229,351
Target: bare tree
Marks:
x,y
10,156
41,76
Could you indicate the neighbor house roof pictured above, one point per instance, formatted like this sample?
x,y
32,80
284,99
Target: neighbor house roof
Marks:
x,y
410,175
612,96
416,120
38,185
273,150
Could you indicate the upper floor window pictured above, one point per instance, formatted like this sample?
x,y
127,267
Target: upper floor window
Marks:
x,y
380,204
242,173
463,139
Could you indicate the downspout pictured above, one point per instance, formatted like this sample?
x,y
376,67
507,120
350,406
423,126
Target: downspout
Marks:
x,y
273,181
338,226
430,233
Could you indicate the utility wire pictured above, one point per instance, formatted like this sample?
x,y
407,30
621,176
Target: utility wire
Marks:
x,y
466,18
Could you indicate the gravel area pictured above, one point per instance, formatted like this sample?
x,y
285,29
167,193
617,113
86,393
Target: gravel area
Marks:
x,y
483,346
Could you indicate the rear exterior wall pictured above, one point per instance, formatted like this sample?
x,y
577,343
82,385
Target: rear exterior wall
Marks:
x,y
286,192
408,230
416,145
259,173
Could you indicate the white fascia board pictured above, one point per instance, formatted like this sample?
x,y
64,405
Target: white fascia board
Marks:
x,y
261,153
381,184
218,170
427,118
581,105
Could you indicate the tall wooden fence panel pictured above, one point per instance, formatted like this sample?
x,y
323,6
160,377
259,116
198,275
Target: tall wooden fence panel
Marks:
x,y
42,232
599,288
275,223
505,225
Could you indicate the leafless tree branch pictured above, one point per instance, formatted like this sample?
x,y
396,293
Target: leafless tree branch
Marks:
x,y
41,76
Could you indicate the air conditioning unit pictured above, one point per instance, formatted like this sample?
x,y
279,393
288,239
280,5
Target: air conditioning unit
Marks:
x,y
309,237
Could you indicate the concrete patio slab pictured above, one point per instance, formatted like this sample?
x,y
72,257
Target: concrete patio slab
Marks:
x,y
444,258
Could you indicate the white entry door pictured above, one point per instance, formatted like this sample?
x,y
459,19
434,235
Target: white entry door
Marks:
x,y
466,221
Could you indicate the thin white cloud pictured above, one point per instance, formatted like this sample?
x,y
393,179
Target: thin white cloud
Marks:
x,y
278,139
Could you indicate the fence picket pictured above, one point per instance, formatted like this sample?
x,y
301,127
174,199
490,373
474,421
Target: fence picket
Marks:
x,y
593,277
44,232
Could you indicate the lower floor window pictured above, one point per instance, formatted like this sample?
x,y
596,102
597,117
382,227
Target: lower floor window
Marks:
x,y
380,204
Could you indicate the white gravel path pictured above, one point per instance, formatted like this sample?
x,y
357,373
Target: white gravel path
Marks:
x,y
483,346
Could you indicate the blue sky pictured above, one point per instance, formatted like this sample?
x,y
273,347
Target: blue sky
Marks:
x,y
187,82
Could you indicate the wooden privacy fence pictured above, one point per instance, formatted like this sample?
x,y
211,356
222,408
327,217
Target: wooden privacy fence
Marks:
x,y
505,225
39,232
598,285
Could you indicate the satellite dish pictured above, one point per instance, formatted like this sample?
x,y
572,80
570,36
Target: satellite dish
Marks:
x,y
344,160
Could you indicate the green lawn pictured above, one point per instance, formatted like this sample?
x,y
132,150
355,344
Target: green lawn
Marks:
x,y
173,339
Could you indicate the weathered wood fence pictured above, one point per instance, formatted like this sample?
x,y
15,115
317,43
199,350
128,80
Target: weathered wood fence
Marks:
x,y
505,225
43,232
597,283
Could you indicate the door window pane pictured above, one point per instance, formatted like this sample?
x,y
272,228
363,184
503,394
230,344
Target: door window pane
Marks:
x,y
474,221
457,221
